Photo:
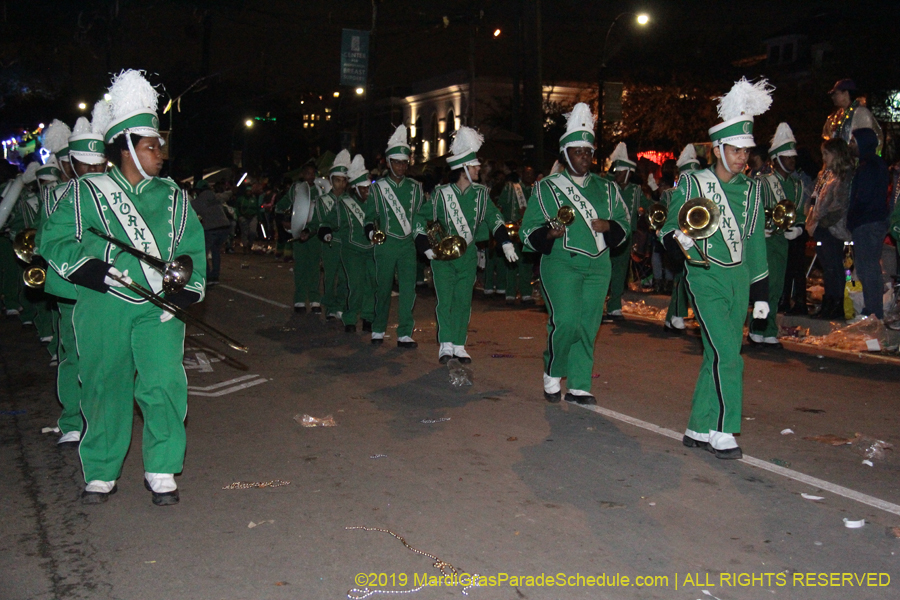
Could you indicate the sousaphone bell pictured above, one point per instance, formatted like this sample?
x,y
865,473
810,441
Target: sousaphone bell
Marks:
x,y
698,219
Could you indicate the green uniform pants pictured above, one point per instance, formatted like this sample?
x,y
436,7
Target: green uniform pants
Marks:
x,y
619,257
518,274
496,271
137,360
395,256
453,283
68,388
574,288
678,303
10,276
776,256
307,270
720,297
36,308
359,270
335,297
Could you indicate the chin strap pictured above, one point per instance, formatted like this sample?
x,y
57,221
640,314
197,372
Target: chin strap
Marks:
x,y
627,176
721,148
134,156
469,177
778,158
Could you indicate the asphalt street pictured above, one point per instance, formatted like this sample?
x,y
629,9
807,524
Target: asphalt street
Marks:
x,y
487,479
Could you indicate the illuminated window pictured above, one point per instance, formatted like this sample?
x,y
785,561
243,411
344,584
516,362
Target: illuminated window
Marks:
x,y
305,125
327,117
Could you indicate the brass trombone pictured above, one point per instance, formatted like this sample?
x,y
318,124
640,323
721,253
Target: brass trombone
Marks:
x,y
445,247
176,275
36,274
698,219
782,217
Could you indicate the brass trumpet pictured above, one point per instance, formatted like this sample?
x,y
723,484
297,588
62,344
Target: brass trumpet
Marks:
x,y
35,275
698,219
512,230
378,236
565,216
782,217
657,215
176,275
445,247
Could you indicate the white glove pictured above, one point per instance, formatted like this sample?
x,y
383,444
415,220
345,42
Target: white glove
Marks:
x,y
429,254
481,263
327,237
371,233
760,309
686,242
768,234
793,233
116,273
509,252
165,316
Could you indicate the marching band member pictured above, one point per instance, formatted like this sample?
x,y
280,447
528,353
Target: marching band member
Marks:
x,y
736,272
461,207
678,303
780,184
307,252
395,201
575,266
512,203
129,349
323,223
20,208
621,169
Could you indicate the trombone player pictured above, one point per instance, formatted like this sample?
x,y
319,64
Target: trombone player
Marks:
x,y
735,271
129,349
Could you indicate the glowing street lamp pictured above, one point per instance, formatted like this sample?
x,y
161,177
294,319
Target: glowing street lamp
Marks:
x,y
497,32
337,94
360,91
643,19
82,106
248,123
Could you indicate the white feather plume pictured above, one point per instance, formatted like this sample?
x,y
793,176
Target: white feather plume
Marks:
x,y
783,135
399,137
57,136
466,140
747,99
101,117
620,153
30,174
581,118
341,160
82,125
357,166
130,91
688,155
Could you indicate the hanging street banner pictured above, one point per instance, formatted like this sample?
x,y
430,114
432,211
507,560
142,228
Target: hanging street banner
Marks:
x,y
354,57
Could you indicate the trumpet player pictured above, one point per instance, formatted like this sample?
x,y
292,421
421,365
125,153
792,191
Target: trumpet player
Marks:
x,y
395,201
324,222
463,208
678,303
778,185
736,272
575,266
512,203
129,349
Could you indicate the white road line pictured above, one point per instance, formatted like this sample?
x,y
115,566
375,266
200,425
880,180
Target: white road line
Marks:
x,y
222,384
835,489
236,388
254,296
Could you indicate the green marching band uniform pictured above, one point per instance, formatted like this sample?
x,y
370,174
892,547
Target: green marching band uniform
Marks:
x,y
347,224
392,209
737,273
678,302
307,259
575,269
129,349
633,199
471,215
777,188
23,214
334,300
512,203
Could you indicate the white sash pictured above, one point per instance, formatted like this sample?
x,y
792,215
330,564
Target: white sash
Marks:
x,y
391,198
712,189
355,210
453,210
139,234
584,207
520,196
776,187
327,201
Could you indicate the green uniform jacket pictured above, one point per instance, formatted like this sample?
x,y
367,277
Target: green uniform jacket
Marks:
x,y
55,284
603,199
634,199
347,221
475,206
740,239
508,202
155,217
792,189
379,213
325,218
25,213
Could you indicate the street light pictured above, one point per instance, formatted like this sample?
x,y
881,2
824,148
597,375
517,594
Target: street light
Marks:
x,y
497,32
248,123
641,19
336,95
82,106
360,91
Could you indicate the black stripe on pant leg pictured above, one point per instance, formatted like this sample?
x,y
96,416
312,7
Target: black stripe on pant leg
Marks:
x,y
550,313
720,419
